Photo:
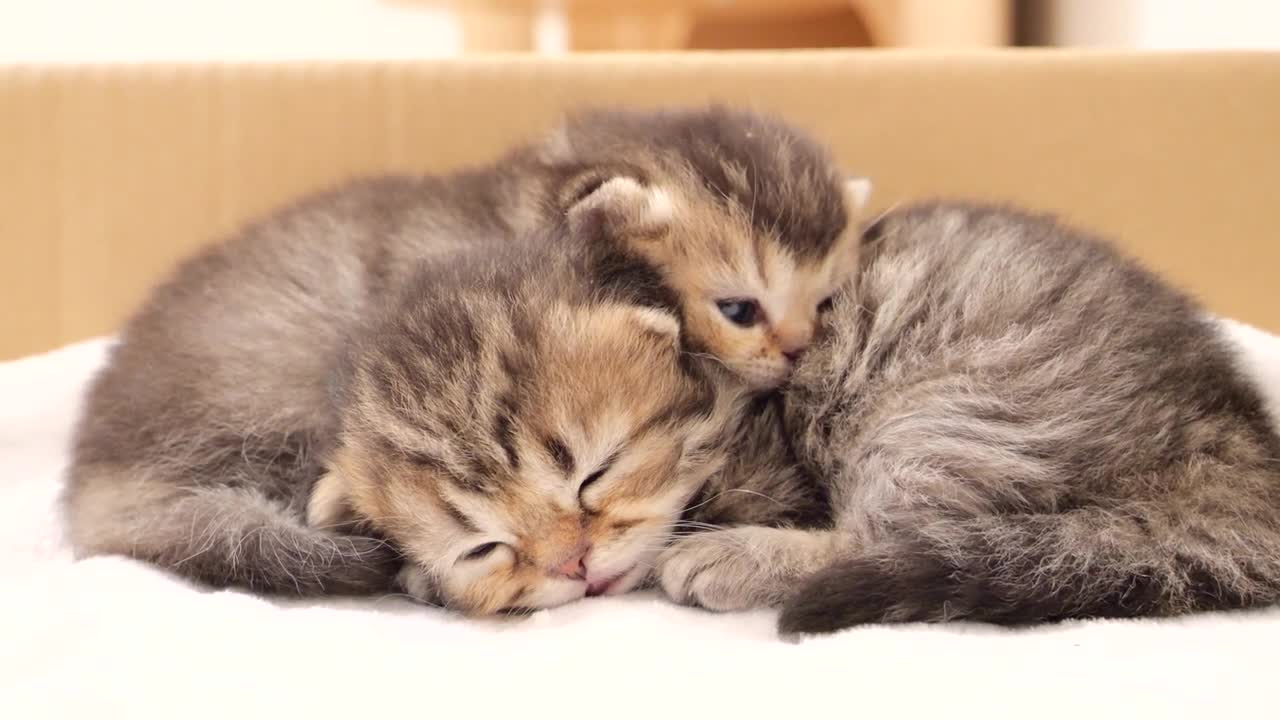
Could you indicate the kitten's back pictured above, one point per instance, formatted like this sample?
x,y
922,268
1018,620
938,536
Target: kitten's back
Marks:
x,y
1062,323
1020,424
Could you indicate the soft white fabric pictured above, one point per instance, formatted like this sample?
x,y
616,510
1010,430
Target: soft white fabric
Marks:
x,y
111,638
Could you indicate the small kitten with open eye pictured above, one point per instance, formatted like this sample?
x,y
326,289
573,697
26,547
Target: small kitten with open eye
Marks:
x,y
745,218
1012,424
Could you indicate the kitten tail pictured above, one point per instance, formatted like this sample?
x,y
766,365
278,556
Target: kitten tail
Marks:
x,y
1022,569
224,537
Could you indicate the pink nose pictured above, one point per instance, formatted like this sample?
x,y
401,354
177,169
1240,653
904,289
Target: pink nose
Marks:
x,y
794,345
574,566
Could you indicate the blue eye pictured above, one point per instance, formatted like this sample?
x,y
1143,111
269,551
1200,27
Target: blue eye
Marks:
x,y
740,312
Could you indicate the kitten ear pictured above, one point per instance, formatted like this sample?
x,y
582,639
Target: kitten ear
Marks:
x,y
618,206
657,321
653,322
857,192
328,505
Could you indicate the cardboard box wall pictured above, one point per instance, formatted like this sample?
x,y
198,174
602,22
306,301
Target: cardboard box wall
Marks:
x,y
108,175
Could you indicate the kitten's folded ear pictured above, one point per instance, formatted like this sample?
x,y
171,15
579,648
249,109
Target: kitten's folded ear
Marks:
x,y
636,321
616,206
329,505
857,192
658,323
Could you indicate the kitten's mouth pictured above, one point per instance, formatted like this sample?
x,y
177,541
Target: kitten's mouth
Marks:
x,y
603,586
600,587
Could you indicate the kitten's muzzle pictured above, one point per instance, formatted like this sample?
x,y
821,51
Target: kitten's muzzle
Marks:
x,y
574,566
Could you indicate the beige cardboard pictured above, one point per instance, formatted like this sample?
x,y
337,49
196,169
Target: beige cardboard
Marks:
x,y
108,175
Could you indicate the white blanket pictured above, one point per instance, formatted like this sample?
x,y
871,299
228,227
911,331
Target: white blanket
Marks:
x,y
112,638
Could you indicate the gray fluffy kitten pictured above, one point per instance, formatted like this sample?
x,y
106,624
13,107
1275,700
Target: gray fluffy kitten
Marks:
x,y
1014,424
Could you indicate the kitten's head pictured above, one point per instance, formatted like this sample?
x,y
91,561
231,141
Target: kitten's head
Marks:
x,y
747,219
524,445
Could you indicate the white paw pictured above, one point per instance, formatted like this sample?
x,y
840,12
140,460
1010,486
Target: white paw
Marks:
x,y
719,570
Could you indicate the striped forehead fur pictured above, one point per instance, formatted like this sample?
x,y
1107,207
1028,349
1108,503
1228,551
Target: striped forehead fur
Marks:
x,y
788,184
507,343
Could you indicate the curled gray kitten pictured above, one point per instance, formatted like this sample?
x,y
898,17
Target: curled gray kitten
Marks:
x,y
1014,424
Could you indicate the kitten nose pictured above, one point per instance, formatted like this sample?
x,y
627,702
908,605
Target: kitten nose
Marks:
x,y
574,566
793,341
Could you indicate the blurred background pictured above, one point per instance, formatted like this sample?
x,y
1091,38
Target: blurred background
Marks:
x,y
110,175
58,31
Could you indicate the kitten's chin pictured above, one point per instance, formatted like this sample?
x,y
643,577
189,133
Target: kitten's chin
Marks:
x,y
760,373
557,593
764,379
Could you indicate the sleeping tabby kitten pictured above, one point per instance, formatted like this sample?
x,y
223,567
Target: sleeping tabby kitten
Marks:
x,y
521,437
1014,424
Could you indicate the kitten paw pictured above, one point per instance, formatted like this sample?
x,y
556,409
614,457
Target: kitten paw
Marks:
x,y
415,583
722,570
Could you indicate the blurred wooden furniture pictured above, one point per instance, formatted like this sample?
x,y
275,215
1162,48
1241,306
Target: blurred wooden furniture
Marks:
x,y
510,25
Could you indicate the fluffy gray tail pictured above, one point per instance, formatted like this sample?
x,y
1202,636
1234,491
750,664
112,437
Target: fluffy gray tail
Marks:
x,y
224,536
1021,569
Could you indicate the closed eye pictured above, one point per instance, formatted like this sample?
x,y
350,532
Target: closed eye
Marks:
x,y
480,552
589,480
592,478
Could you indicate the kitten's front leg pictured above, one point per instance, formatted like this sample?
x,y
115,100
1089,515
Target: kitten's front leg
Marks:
x,y
744,567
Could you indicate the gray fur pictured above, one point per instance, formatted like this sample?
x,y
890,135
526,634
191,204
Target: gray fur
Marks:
x,y
1014,424
201,438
